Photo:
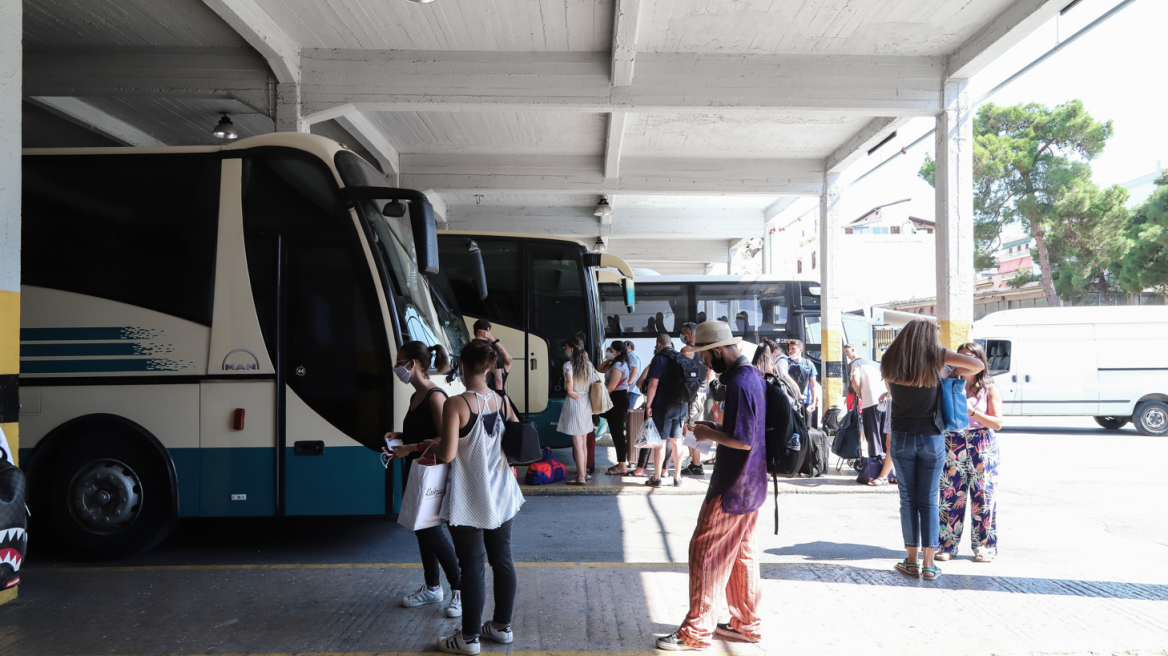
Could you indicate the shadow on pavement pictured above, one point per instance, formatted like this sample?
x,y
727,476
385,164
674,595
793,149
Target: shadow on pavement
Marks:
x,y
820,550
1060,587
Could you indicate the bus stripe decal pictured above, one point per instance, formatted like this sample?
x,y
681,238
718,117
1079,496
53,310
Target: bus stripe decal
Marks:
x,y
86,334
92,366
84,349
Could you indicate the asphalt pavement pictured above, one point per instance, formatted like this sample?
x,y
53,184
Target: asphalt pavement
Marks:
x,y
1083,542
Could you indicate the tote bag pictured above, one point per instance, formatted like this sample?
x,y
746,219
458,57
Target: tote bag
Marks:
x,y
601,401
422,498
952,408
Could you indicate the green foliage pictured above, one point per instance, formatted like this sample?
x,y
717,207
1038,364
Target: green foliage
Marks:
x,y
1030,169
1021,279
1145,263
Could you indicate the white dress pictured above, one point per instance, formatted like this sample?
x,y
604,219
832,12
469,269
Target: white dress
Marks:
x,y
576,416
481,491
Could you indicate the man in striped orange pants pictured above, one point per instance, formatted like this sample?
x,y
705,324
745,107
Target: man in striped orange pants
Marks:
x,y
723,552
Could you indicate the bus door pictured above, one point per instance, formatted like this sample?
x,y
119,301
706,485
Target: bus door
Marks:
x,y
335,365
535,364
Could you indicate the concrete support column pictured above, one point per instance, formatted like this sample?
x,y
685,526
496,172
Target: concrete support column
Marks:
x,y
830,232
955,240
288,115
11,19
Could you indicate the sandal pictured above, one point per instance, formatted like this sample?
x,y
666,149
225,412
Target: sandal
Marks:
x,y
907,568
612,471
877,482
575,482
931,573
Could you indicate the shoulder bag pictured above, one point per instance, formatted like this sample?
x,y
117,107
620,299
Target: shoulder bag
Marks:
x,y
952,408
601,401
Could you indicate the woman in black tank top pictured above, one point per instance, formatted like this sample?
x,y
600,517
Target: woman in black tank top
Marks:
x,y
419,432
912,368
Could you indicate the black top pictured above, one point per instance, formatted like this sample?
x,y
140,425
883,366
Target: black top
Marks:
x,y
500,363
914,409
488,420
418,424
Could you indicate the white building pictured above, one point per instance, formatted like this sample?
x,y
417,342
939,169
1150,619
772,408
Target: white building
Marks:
x,y
887,254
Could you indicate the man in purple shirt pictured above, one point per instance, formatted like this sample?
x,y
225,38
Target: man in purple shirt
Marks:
x,y
723,552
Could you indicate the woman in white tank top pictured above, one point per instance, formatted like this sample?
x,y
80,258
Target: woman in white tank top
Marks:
x,y
482,498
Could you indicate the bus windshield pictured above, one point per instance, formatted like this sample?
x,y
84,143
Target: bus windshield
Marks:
x,y
422,314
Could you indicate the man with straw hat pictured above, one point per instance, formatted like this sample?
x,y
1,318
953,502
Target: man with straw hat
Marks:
x,y
723,552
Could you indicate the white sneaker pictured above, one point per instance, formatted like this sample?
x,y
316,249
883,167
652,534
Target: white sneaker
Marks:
x,y
424,595
455,607
456,644
501,636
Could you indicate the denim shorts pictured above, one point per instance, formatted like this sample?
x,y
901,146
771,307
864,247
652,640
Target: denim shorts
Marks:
x,y
670,420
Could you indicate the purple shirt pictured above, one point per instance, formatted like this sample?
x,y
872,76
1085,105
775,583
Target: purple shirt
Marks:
x,y
740,476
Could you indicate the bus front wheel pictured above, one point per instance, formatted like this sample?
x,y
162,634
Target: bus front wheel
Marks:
x,y
1112,423
102,491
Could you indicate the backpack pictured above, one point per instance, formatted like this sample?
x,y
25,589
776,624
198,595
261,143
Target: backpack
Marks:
x,y
546,471
684,378
801,373
787,443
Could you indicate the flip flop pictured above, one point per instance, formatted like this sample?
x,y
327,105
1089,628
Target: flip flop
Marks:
x,y
575,482
611,471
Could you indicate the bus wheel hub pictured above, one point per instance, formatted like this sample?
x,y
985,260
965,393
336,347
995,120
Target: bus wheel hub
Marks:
x,y
1155,419
105,496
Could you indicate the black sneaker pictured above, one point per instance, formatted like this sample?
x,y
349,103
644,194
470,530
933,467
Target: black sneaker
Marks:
x,y
695,470
727,631
672,642
653,482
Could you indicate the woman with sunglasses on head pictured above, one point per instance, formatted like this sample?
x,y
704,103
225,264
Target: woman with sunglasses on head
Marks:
x,y
481,500
419,433
576,415
971,468
912,366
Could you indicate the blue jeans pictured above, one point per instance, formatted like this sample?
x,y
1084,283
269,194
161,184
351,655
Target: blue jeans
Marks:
x,y
919,460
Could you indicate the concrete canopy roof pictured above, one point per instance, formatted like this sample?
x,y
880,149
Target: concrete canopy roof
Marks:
x,y
695,117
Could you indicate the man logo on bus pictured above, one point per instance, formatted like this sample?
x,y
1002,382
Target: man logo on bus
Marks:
x,y
241,360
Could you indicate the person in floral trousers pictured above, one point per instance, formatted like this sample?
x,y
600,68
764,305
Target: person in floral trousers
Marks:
x,y
971,469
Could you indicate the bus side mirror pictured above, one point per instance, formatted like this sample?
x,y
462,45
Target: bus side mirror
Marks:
x,y
629,294
425,235
477,268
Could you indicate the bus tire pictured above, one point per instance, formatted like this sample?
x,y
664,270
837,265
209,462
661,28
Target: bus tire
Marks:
x,y
1151,418
1112,423
101,487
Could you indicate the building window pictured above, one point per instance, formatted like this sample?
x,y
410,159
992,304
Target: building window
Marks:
x,y
895,230
813,260
799,266
847,231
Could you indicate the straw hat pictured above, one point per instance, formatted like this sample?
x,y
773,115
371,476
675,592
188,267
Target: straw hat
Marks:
x,y
712,334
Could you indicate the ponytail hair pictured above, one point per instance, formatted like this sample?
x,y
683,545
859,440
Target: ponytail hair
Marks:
x,y
581,366
430,357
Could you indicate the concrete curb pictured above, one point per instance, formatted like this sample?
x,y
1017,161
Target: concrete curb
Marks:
x,y
693,488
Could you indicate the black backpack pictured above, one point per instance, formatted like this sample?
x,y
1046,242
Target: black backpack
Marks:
x,y
787,443
684,378
799,375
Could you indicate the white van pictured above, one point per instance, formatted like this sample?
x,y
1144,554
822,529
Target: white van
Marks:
x,y
1110,363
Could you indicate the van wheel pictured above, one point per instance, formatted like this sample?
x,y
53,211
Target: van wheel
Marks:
x,y
1112,423
101,492
1151,418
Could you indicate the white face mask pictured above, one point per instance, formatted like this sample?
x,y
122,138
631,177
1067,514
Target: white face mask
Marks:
x,y
403,374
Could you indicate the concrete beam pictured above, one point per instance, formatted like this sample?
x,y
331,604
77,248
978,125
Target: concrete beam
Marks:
x,y
94,119
626,18
612,146
373,139
628,223
778,207
859,144
1011,26
281,51
584,174
92,72
668,250
381,80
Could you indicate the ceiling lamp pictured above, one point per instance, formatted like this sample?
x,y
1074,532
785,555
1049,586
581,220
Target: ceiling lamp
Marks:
x,y
225,129
599,246
603,208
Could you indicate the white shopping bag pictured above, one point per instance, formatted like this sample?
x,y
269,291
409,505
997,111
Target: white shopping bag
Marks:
x,y
422,498
692,442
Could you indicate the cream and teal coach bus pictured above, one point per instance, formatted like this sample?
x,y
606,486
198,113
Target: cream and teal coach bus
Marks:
x,y
211,331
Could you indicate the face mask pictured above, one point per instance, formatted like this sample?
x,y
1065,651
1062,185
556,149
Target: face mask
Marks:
x,y
403,374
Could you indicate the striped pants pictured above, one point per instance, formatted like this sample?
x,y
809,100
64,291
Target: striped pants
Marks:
x,y
723,553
